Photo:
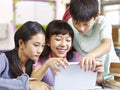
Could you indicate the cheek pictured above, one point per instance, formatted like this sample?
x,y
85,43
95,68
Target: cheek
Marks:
x,y
30,50
27,53
53,44
40,49
76,26
87,29
90,26
70,45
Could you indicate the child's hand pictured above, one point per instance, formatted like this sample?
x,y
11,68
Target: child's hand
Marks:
x,y
55,62
100,70
99,66
88,62
37,85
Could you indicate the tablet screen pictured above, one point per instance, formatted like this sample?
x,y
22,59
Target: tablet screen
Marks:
x,y
74,78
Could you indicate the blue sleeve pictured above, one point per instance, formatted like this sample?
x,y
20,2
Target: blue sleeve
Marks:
x,y
20,83
2,62
6,83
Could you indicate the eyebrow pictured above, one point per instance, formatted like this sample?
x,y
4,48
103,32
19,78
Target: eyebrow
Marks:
x,y
65,34
39,42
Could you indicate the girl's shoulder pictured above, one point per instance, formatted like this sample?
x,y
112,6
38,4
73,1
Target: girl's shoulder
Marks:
x,y
2,56
3,61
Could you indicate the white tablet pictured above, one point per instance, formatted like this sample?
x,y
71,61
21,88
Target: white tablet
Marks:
x,y
74,78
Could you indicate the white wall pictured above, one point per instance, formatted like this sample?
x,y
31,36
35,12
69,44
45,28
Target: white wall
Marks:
x,y
6,19
6,11
42,12
6,25
61,8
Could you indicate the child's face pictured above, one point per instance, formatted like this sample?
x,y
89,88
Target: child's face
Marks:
x,y
60,45
34,47
83,27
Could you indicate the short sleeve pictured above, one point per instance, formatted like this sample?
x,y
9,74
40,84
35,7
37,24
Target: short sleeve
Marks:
x,y
105,28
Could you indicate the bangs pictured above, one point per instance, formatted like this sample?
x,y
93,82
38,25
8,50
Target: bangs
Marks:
x,y
59,27
60,31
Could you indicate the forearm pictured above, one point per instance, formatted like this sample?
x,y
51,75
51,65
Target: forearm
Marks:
x,y
37,85
100,79
103,48
39,72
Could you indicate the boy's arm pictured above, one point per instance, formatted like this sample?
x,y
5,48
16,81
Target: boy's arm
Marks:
x,y
89,59
100,78
103,48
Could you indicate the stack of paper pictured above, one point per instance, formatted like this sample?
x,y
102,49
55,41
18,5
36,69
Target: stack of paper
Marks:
x,y
112,84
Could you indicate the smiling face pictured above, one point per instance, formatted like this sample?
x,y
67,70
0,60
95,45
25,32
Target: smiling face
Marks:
x,y
33,47
60,45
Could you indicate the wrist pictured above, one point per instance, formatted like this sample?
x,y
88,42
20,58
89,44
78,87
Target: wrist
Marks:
x,y
100,79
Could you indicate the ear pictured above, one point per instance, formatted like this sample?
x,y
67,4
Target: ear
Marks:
x,y
21,43
96,16
47,42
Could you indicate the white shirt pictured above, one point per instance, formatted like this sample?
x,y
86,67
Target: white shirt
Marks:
x,y
84,43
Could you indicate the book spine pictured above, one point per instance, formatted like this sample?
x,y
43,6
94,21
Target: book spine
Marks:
x,y
116,78
115,70
115,65
112,84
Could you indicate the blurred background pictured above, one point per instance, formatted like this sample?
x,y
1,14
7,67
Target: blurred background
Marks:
x,y
13,13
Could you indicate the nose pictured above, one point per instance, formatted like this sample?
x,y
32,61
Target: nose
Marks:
x,y
63,43
81,29
39,50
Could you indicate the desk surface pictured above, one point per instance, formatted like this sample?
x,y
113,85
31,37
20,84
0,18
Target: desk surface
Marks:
x,y
102,88
96,88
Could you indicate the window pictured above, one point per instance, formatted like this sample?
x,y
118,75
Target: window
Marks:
x,y
111,9
36,10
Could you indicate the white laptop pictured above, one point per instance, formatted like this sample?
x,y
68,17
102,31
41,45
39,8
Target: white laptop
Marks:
x,y
74,78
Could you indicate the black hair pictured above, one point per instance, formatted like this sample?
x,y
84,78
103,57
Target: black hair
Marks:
x,y
83,10
25,32
56,27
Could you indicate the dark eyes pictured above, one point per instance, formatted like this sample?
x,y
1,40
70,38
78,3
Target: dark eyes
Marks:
x,y
76,22
84,23
57,39
68,40
61,39
37,45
